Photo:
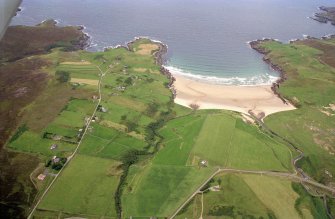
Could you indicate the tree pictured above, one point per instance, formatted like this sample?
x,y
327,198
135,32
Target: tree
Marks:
x,y
219,181
128,81
152,109
62,76
194,106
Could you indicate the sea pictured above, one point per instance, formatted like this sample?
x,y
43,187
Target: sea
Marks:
x,y
207,39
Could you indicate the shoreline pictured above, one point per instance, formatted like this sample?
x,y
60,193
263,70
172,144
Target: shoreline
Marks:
x,y
259,100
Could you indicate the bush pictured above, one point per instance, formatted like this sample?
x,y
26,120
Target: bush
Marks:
x,y
63,76
19,132
151,109
131,125
194,106
128,81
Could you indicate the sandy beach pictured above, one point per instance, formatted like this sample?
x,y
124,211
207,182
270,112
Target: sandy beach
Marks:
x,y
259,99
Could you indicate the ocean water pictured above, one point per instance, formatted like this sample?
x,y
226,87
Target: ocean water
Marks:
x,y
207,39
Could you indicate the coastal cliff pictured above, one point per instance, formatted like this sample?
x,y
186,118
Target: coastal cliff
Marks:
x,y
256,45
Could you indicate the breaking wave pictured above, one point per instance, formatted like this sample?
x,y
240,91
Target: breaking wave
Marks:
x,y
261,79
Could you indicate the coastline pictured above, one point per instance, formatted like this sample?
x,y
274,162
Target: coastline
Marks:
x,y
259,100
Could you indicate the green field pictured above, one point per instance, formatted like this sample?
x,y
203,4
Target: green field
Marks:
x,y
216,136
34,143
86,187
142,154
254,196
67,123
160,190
310,68
223,140
109,143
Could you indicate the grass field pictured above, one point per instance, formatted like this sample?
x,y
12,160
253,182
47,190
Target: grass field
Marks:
x,y
216,136
34,143
122,128
160,190
253,196
145,151
310,68
86,187
67,123
223,140
109,143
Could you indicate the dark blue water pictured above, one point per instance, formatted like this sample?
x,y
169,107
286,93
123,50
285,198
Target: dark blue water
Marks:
x,y
206,38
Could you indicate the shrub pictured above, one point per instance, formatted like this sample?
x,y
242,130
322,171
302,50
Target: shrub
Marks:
x,y
19,132
194,106
62,76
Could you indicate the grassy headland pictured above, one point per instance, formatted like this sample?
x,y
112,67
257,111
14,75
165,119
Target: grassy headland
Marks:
x,y
308,70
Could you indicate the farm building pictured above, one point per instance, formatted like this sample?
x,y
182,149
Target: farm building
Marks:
x,y
41,177
204,163
53,146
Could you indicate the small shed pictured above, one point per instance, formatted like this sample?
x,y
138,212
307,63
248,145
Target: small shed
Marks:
x,y
204,163
53,146
41,177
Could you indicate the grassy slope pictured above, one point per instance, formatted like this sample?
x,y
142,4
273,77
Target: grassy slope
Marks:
x,y
109,138
22,82
88,192
154,186
187,141
309,66
161,189
254,196
223,140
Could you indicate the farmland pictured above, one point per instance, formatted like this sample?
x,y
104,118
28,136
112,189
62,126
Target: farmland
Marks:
x,y
268,197
222,139
178,162
91,190
309,67
126,150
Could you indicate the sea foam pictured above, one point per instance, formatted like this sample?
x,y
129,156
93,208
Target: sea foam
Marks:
x,y
263,79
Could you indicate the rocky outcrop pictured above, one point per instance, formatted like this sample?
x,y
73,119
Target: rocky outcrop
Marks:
x,y
275,86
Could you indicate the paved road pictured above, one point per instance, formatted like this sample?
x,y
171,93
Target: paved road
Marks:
x,y
75,151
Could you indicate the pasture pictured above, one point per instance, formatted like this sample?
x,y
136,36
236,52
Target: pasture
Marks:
x,y
253,196
223,140
109,143
310,69
160,190
86,187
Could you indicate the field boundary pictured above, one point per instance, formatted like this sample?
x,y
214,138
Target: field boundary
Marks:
x,y
77,148
288,176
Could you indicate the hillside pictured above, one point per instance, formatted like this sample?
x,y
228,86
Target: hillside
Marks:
x,y
102,137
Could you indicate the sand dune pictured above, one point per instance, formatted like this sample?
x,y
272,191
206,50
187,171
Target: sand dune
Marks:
x,y
259,99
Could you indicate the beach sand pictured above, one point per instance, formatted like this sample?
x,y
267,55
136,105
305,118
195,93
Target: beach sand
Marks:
x,y
260,99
